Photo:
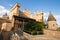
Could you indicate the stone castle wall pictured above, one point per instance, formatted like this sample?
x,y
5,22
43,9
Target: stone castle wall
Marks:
x,y
53,33
37,16
48,35
14,11
52,25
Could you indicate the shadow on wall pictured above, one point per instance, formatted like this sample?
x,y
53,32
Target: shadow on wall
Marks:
x,y
5,35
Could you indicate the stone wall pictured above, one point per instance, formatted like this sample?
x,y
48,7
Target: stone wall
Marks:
x,y
37,16
52,25
48,35
52,33
49,32
14,11
6,26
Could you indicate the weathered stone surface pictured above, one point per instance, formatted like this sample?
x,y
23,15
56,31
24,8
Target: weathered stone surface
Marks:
x,y
48,35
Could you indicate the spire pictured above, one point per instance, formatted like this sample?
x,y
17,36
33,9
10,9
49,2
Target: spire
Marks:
x,y
51,17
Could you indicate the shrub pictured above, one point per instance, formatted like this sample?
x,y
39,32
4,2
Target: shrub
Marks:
x,y
34,27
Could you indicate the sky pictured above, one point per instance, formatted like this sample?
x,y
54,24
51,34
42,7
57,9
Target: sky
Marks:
x,y
33,5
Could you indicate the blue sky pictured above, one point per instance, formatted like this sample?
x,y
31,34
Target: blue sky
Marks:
x,y
45,5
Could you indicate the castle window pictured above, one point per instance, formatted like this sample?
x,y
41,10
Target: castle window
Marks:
x,y
53,24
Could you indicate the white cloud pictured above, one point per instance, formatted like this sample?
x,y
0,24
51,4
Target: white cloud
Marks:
x,y
58,19
3,10
57,16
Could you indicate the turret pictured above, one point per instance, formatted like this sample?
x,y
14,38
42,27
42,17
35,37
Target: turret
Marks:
x,y
52,24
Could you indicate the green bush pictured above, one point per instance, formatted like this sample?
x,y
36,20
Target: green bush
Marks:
x,y
34,28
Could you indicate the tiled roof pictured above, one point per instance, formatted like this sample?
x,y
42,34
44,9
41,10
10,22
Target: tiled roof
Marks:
x,y
51,17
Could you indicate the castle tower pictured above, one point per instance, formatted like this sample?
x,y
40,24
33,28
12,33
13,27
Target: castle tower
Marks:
x,y
40,16
14,11
52,22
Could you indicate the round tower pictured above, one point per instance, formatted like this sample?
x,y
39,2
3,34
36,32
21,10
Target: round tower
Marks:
x,y
52,24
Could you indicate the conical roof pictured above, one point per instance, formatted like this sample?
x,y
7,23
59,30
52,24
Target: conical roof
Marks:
x,y
51,17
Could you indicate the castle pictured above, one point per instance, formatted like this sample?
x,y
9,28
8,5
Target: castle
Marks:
x,y
16,20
